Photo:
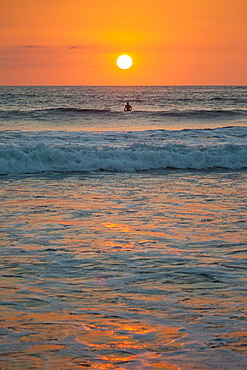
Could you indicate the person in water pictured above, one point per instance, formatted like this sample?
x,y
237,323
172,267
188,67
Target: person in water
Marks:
x,y
127,107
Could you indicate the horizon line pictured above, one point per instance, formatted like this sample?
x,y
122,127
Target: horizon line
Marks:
x,y
175,85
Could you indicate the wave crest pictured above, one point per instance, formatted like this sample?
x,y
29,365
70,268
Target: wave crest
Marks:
x,y
136,157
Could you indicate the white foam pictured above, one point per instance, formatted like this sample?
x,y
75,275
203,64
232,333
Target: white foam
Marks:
x,y
135,157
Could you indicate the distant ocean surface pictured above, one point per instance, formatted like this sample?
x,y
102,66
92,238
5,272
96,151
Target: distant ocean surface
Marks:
x,y
123,234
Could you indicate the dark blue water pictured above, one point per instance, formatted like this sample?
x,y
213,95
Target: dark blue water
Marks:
x,y
102,107
123,235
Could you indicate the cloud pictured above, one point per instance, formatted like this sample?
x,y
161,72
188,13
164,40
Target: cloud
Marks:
x,y
30,47
12,24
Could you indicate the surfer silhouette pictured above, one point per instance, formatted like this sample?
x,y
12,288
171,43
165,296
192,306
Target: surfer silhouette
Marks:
x,y
127,107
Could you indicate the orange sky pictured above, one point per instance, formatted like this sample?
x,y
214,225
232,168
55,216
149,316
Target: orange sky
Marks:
x,y
77,42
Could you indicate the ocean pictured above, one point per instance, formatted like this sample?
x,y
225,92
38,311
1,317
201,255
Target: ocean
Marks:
x,y
123,234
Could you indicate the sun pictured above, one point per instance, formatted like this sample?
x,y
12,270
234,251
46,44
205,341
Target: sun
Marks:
x,y
124,61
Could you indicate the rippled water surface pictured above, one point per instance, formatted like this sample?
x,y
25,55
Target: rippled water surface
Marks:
x,y
124,271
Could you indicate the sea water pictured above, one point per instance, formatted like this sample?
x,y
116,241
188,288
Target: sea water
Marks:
x,y
123,234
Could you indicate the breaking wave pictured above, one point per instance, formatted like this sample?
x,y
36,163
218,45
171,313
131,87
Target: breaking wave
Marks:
x,y
42,158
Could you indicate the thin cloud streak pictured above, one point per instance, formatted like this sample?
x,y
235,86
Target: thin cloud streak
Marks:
x,y
12,24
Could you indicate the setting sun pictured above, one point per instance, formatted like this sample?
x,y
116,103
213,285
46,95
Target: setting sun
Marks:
x,y
124,61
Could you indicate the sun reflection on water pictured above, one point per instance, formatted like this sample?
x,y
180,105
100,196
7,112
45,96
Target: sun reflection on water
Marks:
x,y
118,276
